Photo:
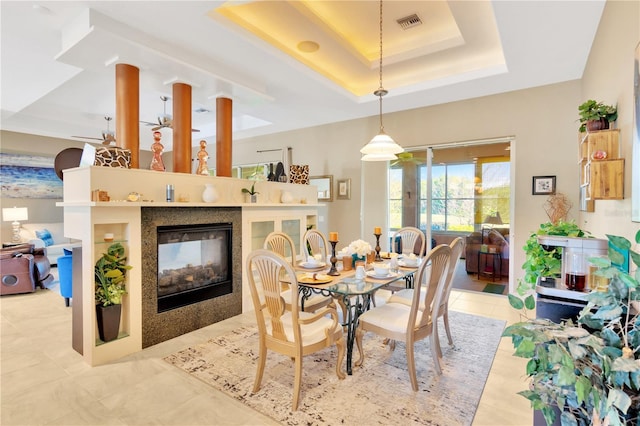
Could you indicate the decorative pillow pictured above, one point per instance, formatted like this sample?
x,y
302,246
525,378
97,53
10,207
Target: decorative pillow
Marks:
x,y
111,156
496,238
45,236
299,174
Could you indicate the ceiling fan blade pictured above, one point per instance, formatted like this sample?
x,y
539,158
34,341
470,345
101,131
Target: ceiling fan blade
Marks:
x,y
87,137
195,130
156,128
148,123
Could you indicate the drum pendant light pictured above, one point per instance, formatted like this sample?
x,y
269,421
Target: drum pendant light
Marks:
x,y
382,147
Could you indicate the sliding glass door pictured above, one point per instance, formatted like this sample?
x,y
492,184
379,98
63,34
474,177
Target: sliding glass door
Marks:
x,y
468,184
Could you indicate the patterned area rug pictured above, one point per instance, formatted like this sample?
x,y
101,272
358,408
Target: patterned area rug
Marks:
x,y
379,392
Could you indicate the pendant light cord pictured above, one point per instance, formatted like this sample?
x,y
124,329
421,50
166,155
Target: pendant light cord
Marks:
x,y
381,90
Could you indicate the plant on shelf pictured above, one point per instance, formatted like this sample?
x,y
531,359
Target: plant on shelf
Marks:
x,y
589,371
110,278
252,192
596,115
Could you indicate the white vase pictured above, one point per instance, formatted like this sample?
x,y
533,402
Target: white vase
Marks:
x,y
210,194
286,197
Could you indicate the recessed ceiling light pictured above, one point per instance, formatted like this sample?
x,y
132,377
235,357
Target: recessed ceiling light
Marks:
x,y
308,46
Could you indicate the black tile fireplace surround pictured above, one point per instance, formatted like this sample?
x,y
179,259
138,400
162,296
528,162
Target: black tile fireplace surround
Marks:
x,y
158,327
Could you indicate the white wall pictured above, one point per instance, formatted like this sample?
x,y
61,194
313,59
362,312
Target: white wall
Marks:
x,y
608,78
542,120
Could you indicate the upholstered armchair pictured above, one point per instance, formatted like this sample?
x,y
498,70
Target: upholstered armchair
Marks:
x,y
23,268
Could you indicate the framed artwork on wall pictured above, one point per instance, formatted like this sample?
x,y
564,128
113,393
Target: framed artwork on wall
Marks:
x,y
344,189
544,185
29,176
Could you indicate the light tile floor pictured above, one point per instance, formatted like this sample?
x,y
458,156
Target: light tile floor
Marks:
x,y
45,382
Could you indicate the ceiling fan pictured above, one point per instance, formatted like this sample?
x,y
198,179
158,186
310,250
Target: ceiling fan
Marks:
x,y
164,120
107,135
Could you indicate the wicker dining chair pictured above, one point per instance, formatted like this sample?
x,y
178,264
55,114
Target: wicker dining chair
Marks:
x,y
397,321
290,332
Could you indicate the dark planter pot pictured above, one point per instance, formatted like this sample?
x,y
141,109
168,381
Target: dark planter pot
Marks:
x,y
108,321
538,418
594,125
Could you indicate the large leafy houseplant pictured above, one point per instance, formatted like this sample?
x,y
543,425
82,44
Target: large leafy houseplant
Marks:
x,y
589,370
110,273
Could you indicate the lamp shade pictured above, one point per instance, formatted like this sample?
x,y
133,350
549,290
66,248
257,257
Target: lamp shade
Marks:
x,y
379,157
493,219
15,214
382,144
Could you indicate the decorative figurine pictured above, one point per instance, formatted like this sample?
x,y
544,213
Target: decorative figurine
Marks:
x,y
157,148
203,156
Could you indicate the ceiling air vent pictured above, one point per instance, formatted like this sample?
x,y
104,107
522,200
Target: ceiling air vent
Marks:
x,y
409,21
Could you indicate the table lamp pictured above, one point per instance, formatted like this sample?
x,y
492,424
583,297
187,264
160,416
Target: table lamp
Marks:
x,y
14,215
492,220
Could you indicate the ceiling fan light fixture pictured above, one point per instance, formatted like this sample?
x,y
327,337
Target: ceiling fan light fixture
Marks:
x,y
382,147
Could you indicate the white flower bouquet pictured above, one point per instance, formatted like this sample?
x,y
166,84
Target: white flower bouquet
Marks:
x,y
360,248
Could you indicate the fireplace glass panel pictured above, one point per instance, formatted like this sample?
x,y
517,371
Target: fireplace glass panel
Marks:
x,y
194,264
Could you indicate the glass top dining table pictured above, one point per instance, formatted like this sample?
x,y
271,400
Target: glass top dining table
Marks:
x,y
355,295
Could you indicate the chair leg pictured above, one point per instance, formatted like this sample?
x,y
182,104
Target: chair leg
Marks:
x,y
445,317
436,335
262,358
340,344
66,302
434,352
411,363
296,383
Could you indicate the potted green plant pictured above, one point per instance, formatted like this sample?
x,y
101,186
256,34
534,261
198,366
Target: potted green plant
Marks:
x,y
589,371
544,261
110,281
252,192
596,115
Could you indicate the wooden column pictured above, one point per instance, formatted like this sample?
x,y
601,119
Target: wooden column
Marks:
x,y
128,110
181,128
223,136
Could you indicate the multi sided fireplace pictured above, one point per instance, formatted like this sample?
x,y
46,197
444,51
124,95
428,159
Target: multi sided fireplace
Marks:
x,y
194,264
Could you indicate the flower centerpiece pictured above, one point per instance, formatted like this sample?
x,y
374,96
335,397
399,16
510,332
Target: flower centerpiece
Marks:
x,y
359,249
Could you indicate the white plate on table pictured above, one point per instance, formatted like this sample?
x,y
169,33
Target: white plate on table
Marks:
x,y
404,264
373,274
310,265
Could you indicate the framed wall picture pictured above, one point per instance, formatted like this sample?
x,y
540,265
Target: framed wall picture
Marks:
x,y
344,189
544,185
324,185
29,176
